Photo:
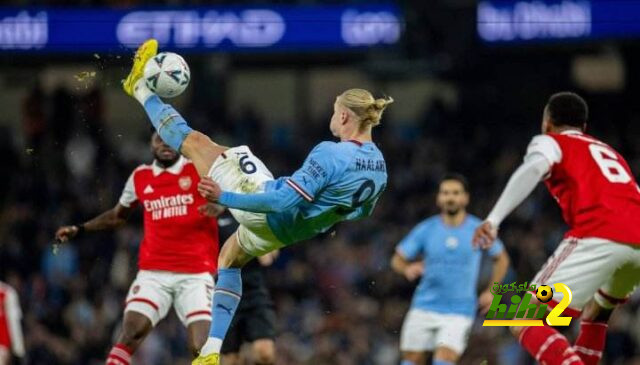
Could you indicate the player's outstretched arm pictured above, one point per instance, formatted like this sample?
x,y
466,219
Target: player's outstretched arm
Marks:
x,y
111,219
274,201
304,184
521,184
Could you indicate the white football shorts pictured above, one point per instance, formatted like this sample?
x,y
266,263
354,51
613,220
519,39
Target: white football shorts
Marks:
x,y
592,268
425,331
153,292
238,170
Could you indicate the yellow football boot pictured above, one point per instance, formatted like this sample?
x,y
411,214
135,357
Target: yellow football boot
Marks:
x,y
145,52
211,359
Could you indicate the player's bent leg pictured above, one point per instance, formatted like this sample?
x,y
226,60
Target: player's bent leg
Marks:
x,y
202,151
445,356
593,332
233,255
174,131
413,358
595,316
197,334
264,351
546,345
226,298
135,328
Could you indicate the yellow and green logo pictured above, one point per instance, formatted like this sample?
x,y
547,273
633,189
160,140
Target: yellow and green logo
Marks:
x,y
521,312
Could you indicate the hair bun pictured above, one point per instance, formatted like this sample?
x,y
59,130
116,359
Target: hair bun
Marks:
x,y
382,103
364,105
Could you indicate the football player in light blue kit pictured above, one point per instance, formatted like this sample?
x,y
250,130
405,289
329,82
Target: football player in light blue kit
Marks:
x,y
338,181
444,304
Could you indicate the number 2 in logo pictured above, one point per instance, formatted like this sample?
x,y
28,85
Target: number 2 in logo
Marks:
x,y
607,161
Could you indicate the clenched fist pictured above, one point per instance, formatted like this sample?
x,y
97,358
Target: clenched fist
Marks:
x,y
65,233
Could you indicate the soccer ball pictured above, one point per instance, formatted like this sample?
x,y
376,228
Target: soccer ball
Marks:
x,y
544,293
167,74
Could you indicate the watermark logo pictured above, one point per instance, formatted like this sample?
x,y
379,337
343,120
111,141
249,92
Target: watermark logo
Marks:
x,y
521,312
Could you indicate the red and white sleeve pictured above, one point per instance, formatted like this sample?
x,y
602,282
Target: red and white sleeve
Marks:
x,y
129,195
14,317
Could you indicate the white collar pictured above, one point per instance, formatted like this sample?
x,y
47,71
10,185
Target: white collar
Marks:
x,y
175,169
571,131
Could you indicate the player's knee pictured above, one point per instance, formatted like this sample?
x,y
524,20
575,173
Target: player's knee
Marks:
x,y
446,355
135,328
133,332
232,255
264,352
195,141
595,312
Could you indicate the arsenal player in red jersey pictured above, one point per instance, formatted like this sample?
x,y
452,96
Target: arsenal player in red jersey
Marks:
x,y
599,258
11,340
178,253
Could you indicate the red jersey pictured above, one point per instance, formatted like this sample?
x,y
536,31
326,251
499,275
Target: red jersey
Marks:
x,y
593,185
177,237
10,315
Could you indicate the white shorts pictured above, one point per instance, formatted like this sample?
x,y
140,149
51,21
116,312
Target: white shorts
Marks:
x,y
424,331
592,267
240,171
153,292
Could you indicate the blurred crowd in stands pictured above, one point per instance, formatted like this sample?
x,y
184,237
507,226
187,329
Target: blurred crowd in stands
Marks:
x,y
336,298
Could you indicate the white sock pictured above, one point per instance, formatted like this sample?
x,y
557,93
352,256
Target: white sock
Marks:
x,y
141,92
212,346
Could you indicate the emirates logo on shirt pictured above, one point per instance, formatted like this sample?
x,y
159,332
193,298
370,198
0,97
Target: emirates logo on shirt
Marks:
x,y
169,207
185,182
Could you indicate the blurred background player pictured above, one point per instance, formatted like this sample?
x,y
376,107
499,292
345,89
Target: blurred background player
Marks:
x,y
445,302
339,181
178,253
254,322
599,258
11,340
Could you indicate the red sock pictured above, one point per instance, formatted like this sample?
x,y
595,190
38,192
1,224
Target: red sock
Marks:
x,y
590,342
548,346
119,355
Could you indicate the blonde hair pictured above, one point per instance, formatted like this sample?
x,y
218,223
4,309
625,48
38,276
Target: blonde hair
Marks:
x,y
364,105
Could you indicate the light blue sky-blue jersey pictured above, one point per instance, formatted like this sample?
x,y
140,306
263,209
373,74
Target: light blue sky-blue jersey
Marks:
x,y
452,265
338,181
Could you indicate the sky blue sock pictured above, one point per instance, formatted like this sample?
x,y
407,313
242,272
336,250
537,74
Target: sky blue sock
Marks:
x,y
407,362
225,301
171,127
441,362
